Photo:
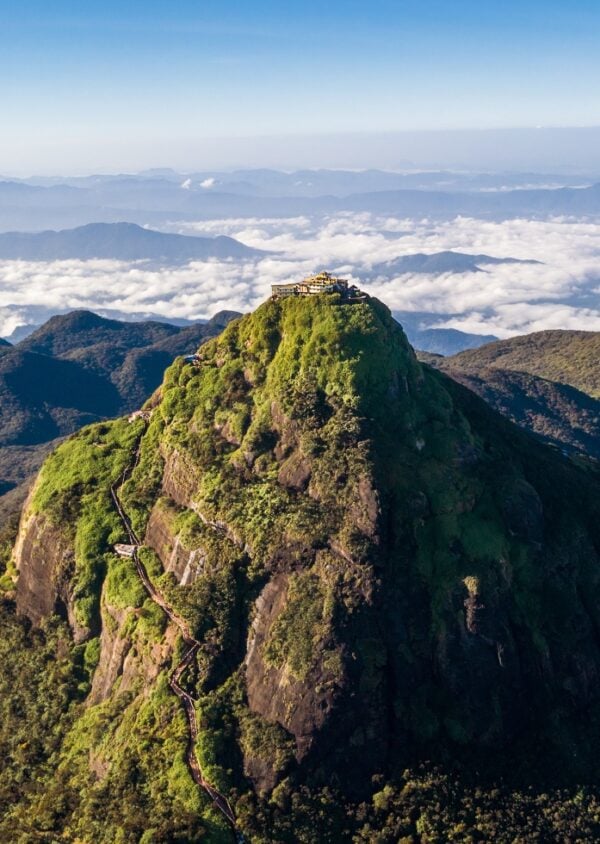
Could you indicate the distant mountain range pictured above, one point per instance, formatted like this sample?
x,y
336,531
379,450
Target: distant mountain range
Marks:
x,y
156,199
441,262
121,242
441,341
307,182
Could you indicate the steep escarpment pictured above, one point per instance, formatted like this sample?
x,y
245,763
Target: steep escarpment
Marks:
x,y
377,569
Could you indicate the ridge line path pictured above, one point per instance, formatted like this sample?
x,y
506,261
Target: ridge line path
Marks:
x,y
192,645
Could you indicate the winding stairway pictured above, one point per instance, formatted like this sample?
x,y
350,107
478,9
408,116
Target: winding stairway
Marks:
x,y
191,648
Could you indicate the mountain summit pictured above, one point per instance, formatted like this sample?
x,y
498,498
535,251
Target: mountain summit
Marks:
x,y
372,567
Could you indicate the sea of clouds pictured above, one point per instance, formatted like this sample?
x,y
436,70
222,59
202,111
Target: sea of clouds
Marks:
x,y
562,291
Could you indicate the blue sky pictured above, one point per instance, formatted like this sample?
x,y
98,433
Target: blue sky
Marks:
x,y
88,85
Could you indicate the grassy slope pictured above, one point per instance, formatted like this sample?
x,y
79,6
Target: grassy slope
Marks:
x,y
569,357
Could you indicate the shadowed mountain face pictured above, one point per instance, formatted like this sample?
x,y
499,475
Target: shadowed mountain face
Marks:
x,y
558,413
378,568
119,242
547,382
42,398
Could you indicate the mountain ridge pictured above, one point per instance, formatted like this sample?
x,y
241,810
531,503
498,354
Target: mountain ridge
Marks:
x,y
563,355
75,369
118,241
160,201
447,261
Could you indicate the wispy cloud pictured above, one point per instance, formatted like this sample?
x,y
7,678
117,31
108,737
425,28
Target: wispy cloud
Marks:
x,y
559,292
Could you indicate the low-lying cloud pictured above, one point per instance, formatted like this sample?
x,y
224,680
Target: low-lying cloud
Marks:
x,y
562,291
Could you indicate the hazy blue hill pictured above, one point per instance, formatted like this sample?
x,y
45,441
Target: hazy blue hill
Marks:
x,y
117,241
25,194
496,205
21,332
442,262
441,341
446,341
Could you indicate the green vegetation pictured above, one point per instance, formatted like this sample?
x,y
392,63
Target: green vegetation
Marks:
x,y
268,743
38,701
568,357
141,489
557,412
73,492
300,627
8,534
428,804
415,572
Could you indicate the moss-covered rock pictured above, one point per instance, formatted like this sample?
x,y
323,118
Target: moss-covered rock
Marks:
x,y
376,565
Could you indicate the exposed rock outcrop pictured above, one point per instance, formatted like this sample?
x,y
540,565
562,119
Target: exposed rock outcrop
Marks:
x,y
45,555
185,564
374,563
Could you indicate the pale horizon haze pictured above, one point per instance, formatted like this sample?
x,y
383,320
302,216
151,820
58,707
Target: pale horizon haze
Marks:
x,y
127,86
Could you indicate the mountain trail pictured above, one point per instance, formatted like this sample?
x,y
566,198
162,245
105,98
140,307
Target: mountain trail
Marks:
x,y
192,645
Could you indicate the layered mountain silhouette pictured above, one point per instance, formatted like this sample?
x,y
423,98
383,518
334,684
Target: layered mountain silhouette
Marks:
x,y
437,263
155,199
119,242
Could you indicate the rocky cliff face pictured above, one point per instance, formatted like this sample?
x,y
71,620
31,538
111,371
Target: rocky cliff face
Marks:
x,y
373,561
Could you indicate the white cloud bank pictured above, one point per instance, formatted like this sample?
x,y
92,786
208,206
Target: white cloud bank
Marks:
x,y
561,292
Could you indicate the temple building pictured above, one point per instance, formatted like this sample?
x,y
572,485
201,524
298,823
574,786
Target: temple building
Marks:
x,y
321,283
